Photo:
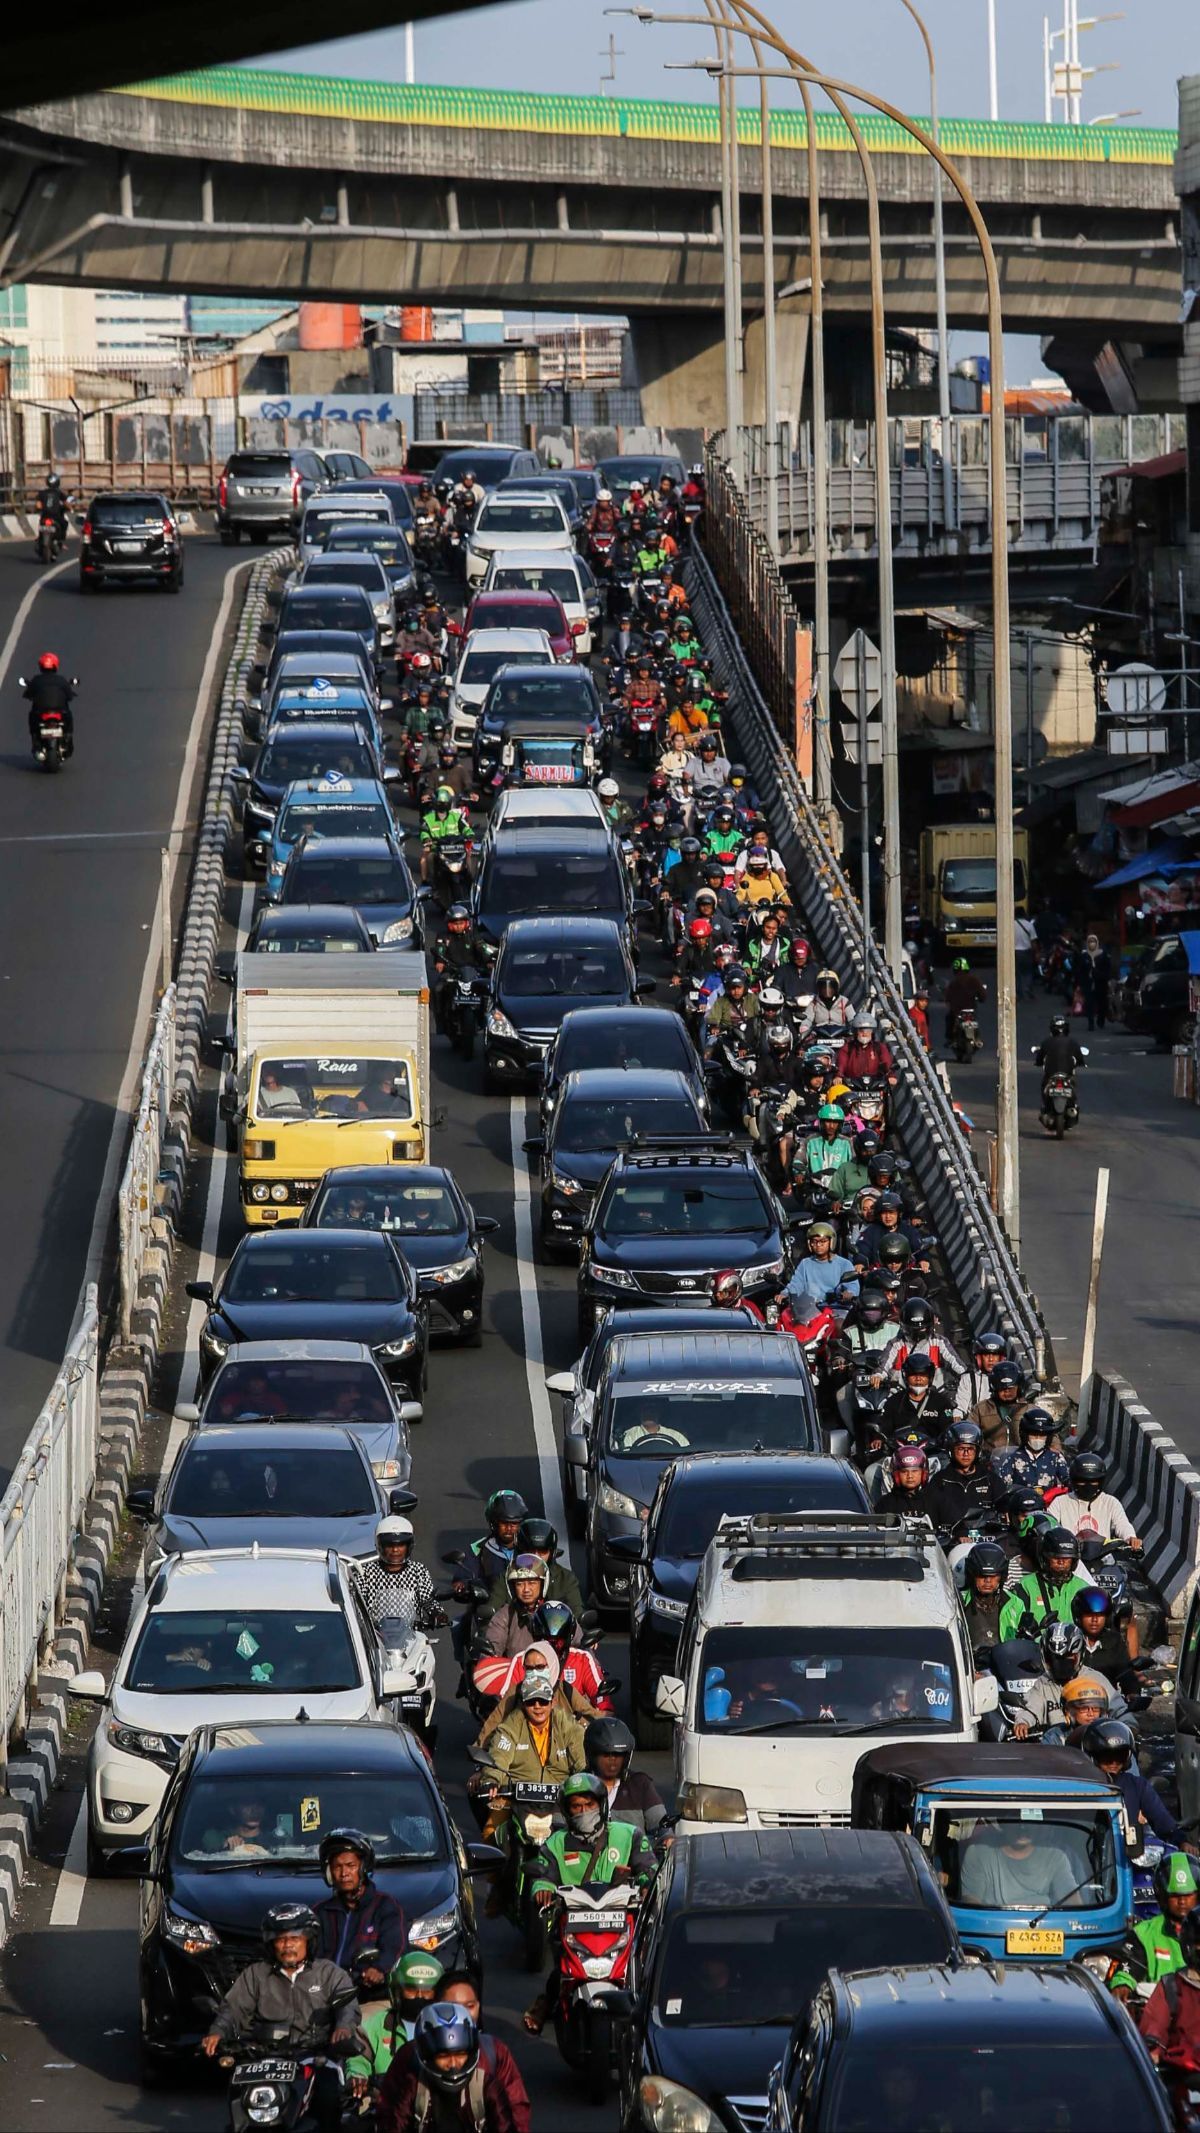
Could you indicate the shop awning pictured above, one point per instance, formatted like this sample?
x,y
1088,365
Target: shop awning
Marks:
x,y
1174,856
1156,799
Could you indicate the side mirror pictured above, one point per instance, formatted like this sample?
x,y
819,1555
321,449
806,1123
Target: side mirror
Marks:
x,y
391,777
424,893
227,1102
140,1503
240,774
387,703
563,1381
130,1859
202,1291
985,1694
627,1547
487,1225
402,1500
411,1411
187,1411
534,1145
669,1693
484,1858
90,1687
227,967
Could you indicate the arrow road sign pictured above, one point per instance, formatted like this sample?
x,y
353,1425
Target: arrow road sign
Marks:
x,y
859,661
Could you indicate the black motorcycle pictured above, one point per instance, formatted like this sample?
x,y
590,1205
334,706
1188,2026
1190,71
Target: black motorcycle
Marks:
x,y
51,538
965,1037
463,1010
451,870
269,2089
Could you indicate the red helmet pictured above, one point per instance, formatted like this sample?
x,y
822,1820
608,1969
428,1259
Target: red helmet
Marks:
x,y
48,662
727,1288
700,929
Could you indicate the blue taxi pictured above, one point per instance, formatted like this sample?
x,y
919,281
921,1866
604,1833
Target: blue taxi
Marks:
x,y
330,806
325,696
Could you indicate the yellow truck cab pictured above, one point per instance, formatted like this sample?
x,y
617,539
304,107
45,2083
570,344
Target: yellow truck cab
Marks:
x,y
958,881
326,1066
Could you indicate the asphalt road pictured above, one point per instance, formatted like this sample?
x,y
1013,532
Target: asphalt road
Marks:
x,y
1150,1275
79,886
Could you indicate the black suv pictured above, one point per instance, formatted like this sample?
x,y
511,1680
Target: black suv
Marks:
x,y
692,1496
737,1935
619,1038
573,873
545,966
523,699
131,533
669,1216
596,1113
666,1394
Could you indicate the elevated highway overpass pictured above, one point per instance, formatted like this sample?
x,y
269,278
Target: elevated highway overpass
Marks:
x,y
255,181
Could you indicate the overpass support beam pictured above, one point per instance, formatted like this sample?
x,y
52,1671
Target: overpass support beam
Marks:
x,y
679,364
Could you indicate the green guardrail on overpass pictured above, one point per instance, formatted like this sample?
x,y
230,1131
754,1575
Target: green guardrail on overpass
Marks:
x,y
636,119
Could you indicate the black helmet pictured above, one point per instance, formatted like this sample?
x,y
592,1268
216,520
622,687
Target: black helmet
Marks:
x,y
442,2029
1062,1649
690,848
992,1344
872,1307
504,1507
346,1840
917,1365
556,1622
1004,1377
1110,1740
607,1736
890,1203
735,975
895,1252
290,1918
1088,1475
918,1317
1057,1542
987,1559
537,1537
962,1431
1021,1503
1036,1422
1059,1025
866,1140
1095,1601
458,915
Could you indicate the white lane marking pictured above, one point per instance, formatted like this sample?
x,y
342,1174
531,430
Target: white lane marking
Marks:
x,y
19,619
544,1438
72,1880
85,836
150,975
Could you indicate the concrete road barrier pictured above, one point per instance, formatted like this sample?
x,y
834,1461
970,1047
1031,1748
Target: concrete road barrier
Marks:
x,y
1155,1482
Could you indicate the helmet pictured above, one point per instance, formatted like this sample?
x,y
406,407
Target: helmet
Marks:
x,y
443,797
609,789
1088,1475
987,1559
442,2029
420,1972
800,950
526,1566
828,985
735,975
910,1459
538,1536
1059,1025
757,858
607,1736
636,487
864,1021
881,1166
393,1528
895,1252
421,663
822,1229
779,1038
346,1840
556,1623
872,1305
917,1365
1175,1876
1092,1602
48,662
917,1317
832,1111
727,1289
1036,1422
458,915
700,929
992,1344
604,496
1081,1689
707,897
1062,1649
866,1142
53,481
1058,1542
723,952
1004,1377
690,848
962,1431
585,1786
504,1507
960,963
290,1918
1021,1504
890,1203
771,1001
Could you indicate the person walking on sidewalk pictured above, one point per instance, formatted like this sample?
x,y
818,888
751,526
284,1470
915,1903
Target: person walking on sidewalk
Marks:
x,y
1025,940
1092,973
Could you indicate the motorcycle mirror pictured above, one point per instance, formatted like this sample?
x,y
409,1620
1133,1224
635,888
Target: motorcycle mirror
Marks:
x,y
454,1555
476,1754
20,681
1085,1051
590,1618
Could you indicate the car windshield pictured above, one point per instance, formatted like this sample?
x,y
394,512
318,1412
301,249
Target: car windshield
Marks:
x,y
336,570
481,667
565,689
328,607
332,818
487,467
658,1421
655,1204
321,522
126,511
551,882
384,540
585,1125
328,940
305,1271
307,1391
970,2081
291,757
219,1481
345,1086
692,1514
539,578
731,1969
226,1821
518,614
836,1680
642,1041
503,516
617,474
407,1210
1018,1858
347,878
577,973
977,877
271,1653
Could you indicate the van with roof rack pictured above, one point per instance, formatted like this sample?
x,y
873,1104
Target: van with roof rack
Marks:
x,y
809,1635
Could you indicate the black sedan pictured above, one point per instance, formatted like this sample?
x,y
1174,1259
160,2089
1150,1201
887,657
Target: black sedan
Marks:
x,y
597,1112
309,929
369,873
241,1830
620,1037
545,967
438,1231
345,1285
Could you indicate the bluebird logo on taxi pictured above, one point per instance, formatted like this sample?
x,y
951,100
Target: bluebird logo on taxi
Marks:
x,y
375,407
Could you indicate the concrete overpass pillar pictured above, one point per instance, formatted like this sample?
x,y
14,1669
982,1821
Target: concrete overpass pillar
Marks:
x,y
791,362
679,365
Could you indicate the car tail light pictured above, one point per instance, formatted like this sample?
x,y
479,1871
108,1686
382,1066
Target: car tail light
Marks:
x,y
87,529
222,492
578,629
295,489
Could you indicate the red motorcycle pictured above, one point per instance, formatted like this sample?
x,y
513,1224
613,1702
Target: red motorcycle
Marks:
x,y
593,1929
600,548
642,716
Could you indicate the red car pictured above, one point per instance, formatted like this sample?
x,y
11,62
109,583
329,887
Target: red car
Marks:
x,y
522,611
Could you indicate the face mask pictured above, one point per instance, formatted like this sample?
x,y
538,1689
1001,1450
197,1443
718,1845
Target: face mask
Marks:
x,y
586,1823
1036,1444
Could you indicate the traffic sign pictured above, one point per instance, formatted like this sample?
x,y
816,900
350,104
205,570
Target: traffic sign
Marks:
x,y
874,744
1135,691
859,656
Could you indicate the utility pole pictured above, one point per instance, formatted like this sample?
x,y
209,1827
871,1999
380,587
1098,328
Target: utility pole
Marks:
x,y
612,53
410,57
993,83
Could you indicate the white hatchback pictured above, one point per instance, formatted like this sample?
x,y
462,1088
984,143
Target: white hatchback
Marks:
x,y
568,576
223,1637
484,653
535,522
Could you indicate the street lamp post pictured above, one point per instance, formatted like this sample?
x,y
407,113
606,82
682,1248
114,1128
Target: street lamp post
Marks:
x,y
949,513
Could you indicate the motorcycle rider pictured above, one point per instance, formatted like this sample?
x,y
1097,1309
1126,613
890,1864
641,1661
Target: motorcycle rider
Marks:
x,y
53,502
863,1055
1047,1590
608,1747
511,1629
1105,1644
602,517
825,1151
443,820
709,768
49,690
919,1328
460,1988
592,1848
539,1742
916,1399
909,1492
1112,1746
362,1929
1058,1053
983,1593
307,2003
964,990
537,1536
890,1221
444,2082
453,953
413,1983
1153,1950
393,1582
467,494
821,1272
734,1006
1086,1505
976,1385
968,1481
831,1011
999,1415
1063,1656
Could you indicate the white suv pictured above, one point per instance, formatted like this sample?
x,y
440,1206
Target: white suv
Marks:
x,y
535,521
568,576
223,1637
809,1634
484,653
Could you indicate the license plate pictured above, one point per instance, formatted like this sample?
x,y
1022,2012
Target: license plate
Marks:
x,y
1033,1940
549,773
268,2070
593,1921
129,547
252,491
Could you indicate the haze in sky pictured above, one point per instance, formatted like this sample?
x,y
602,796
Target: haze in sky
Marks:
x,y
562,45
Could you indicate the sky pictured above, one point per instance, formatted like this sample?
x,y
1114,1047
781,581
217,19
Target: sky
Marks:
x,y
561,45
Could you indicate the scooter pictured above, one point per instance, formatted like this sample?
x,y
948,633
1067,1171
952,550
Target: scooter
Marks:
x,y
594,1930
966,1038
53,744
451,869
407,1656
51,538
532,1814
265,2090
464,1011
1060,1101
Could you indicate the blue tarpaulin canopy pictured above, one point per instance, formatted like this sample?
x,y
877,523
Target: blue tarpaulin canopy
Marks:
x,y
1191,942
1173,856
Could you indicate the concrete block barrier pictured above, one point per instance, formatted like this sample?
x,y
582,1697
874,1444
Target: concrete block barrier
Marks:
x,y
1155,1481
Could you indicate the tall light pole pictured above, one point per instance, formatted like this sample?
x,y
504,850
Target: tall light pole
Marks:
x,y
949,514
993,81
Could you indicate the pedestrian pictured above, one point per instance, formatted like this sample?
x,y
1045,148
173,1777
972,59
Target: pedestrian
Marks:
x,y
1025,939
1092,973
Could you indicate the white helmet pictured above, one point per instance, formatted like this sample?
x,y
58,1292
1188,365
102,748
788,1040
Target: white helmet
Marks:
x,y
609,789
637,485
393,1528
604,496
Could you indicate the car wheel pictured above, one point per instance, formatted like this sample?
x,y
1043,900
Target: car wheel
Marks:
x,y
473,1337
228,536
88,584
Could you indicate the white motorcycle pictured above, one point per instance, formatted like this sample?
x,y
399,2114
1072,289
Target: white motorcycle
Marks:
x,y
407,1659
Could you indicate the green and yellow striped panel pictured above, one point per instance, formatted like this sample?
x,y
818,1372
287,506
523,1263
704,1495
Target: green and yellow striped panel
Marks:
x,y
637,119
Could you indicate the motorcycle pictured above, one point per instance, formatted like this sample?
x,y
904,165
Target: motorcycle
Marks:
x,y
965,1037
463,1011
53,744
265,2091
1060,1101
860,1403
1017,1665
869,1102
406,1652
593,1928
451,869
426,540
532,1814
730,1073
51,538
600,548
641,724
767,1130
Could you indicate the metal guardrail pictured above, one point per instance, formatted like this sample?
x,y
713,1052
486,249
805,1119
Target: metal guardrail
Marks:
x,y
137,1193
988,1279
40,1515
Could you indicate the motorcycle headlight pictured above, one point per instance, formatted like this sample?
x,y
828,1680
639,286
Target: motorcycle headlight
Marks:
x,y
396,1351
667,2107
616,1501
569,1187
458,1271
190,1934
613,1277
263,2105
498,1024
399,930
428,1933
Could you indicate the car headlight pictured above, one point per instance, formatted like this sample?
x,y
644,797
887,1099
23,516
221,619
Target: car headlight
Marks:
x,y
670,1610
213,1344
396,1351
430,1932
256,812
190,1934
134,1741
383,611
386,1470
712,1803
612,1277
768,1270
569,1187
279,1193
498,1024
667,2107
615,1500
457,1271
260,1192
399,930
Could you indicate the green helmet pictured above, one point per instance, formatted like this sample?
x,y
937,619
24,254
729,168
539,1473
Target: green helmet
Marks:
x,y
832,1111
960,963
1175,1876
585,1785
415,1972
